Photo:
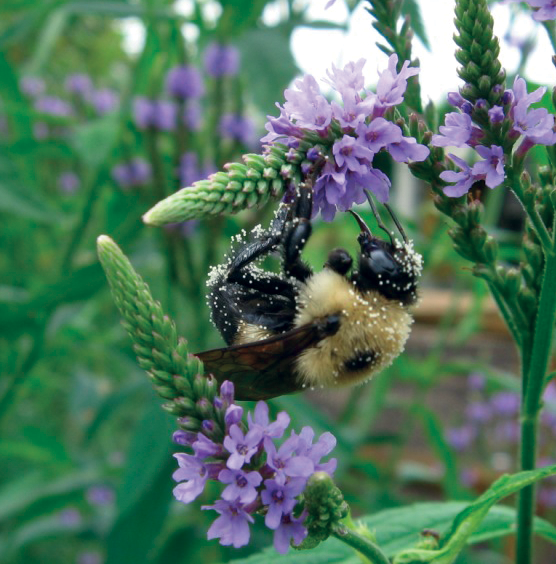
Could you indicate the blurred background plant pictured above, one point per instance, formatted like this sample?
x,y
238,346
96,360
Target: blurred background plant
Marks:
x,y
92,134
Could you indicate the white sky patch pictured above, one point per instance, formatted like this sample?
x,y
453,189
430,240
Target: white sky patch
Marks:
x,y
316,49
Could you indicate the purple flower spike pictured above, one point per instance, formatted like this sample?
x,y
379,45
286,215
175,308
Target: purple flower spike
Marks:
x,y
232,527
195,474
274,430
505,403
242,448
104,101
290,529
79,83
242,485
460,438
221,60
185,82
280,499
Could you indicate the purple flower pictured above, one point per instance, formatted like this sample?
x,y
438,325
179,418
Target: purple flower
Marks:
x,y
307,105
348,79
243,485
232,527
104,101
221,60
407,149
156,114
378,134
391,85
478,412
493,165
185,82
496,114
53,106
195,474
456,133
460,438
290,528
546,11
463,179
234,414
100,495
534,124
237,128
68,182
505,403
351,154
242,447
134,173
283,461
184,438
192,115
32,86
280,498
273,430
205,448
79,83
324,446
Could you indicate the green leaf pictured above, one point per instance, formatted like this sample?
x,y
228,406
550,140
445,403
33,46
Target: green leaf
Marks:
x,y
145,493
26,493
469,520
13,200
399,529
411,8
93,141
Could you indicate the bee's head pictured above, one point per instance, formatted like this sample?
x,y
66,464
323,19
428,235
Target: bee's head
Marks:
x,y
390,267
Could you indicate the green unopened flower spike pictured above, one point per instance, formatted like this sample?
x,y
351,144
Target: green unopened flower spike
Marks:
x,y
175,374
240,186
478,53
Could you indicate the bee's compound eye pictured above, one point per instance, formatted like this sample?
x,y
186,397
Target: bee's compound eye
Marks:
x,y
339,260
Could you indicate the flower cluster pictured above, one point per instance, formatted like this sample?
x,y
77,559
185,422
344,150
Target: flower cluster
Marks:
x,y
136,172
347,136
259,476
512,121
491,422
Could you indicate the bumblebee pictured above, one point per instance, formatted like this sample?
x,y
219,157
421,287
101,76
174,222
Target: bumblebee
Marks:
x,y
299,329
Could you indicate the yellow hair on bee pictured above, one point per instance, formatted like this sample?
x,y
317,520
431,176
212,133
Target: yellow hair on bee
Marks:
x,y
373,331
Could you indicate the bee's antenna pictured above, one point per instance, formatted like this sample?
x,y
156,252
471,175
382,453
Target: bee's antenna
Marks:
x,y
377,216
363,226
396,221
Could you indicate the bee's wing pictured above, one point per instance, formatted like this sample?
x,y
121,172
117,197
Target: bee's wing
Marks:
x,y
265,369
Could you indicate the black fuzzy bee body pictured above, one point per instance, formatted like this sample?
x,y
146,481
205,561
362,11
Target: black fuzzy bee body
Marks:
x,y
299,329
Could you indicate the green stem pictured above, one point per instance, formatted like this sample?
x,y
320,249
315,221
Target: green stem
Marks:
x,y
363,545
86,213
19,377
535,378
